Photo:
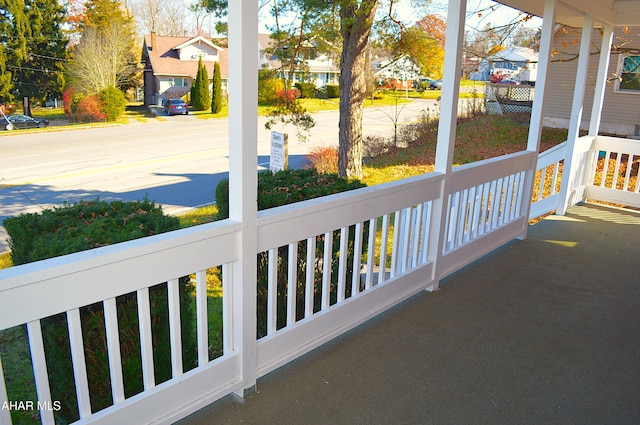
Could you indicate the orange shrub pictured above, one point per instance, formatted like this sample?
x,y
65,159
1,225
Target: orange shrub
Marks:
x,y
287,96
324,160
91,109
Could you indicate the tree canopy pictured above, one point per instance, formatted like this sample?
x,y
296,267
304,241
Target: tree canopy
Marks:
x,y
32,49
106,54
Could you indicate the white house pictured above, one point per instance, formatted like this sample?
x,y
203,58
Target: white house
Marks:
x,y
320,69
401,69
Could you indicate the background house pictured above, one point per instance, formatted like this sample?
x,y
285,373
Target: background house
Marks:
x,y
621,111
395,72
171,65
318,68
518,63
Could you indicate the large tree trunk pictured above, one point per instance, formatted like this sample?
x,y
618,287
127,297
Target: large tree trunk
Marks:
x,y
355,27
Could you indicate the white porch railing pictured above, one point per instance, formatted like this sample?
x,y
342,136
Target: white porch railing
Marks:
x,y
328,265
617,180
547,190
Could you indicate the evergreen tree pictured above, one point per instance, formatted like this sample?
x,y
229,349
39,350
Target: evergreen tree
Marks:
x,y
200,96
216,101
42,76
32,49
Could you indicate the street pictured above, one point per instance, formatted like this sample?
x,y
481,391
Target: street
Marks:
x,y
176,162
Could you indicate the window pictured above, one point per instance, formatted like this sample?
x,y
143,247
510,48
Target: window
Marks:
x,y
630,74
178,81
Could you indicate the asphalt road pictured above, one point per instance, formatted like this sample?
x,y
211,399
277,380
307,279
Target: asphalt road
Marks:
x,y
177,162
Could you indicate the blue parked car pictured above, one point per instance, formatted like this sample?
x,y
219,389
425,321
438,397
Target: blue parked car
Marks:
x,y
175,106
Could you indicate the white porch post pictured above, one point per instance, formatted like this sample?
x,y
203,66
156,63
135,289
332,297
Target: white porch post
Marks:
x,y
537,110
598,96
569,173
243,180
601,81
447,126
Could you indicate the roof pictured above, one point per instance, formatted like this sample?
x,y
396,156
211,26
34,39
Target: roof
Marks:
x,y
402,65
571,12
265,41
514,54
164,57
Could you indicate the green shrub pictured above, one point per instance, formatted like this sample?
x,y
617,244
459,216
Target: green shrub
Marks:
x,y
76,98
333,91
82,226
268,90
307,90
114,102
286,187
86,225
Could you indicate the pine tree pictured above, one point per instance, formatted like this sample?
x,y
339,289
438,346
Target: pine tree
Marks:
x,y
216,101
32,49
200,96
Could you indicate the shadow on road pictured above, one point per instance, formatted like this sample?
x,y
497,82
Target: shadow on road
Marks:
x,y
180,193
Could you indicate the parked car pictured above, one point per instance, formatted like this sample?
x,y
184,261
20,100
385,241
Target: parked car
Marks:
x,y
19,121
175,106
427,83
509,80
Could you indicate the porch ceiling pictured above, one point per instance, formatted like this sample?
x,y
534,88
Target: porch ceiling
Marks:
x,y
571,12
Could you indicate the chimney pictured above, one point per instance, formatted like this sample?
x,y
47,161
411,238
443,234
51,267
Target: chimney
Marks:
x,y
153,40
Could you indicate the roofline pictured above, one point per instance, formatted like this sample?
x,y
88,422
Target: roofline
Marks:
x,y
198,38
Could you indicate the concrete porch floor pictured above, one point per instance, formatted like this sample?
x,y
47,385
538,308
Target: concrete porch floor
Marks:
x,y
542,331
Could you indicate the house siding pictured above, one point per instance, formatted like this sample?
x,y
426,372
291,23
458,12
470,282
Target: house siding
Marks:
x,y
197,50
620,112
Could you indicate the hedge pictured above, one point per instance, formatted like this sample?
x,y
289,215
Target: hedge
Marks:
x,y
333,91
286,187
86,225
307,90
81,226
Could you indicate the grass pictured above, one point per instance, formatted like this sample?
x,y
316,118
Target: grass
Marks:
x,y
311,105
476,139
50,114
198,216
5,260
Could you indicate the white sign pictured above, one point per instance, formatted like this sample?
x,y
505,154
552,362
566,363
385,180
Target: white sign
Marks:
x,y
279,152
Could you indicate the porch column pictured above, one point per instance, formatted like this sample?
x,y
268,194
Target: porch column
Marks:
x,y
537,110
243,181
568,187
601,81
456,15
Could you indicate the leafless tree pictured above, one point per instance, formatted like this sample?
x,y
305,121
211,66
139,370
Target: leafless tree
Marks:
x,y
165,17
103,58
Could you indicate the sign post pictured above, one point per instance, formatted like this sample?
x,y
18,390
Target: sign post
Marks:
x,y
279,159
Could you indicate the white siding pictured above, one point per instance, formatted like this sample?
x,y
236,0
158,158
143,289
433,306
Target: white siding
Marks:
x,y
195,50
